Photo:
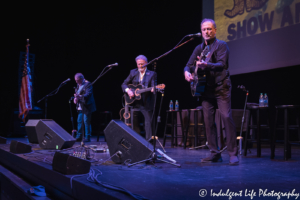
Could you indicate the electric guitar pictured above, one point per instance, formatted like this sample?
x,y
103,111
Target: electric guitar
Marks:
x,y
199,76
138,90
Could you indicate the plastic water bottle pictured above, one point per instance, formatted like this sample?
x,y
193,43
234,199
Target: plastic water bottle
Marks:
x,y
261,100
266,100
171,106
176,105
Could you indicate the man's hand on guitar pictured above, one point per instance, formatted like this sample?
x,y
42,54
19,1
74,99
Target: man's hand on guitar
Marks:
x,y
188,76
77,98
130,93
201,64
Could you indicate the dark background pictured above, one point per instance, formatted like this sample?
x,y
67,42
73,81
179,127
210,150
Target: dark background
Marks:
x,y
72,38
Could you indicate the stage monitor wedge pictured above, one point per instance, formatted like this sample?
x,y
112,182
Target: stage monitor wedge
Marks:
x,y
19,147
66,164
52,136
30,128
128,143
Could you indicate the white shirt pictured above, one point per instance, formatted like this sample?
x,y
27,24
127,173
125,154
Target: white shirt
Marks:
x,y
141,78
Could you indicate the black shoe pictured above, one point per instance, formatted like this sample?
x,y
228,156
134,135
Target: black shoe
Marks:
x,y
233,160
212,158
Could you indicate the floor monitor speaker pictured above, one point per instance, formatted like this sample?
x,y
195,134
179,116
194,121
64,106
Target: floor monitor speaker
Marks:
x,y
19,147
66,164
30,128
52,136
126,143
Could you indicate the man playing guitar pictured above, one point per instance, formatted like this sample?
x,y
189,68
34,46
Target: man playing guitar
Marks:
x,y
217,90
85,104
141,75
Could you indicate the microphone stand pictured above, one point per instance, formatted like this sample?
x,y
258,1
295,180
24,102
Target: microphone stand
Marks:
x,y
153,156
243,118
54,92
72,120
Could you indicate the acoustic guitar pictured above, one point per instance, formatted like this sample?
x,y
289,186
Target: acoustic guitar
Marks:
x,y
199,76
138,90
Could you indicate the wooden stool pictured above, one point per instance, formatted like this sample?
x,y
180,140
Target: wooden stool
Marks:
x,y
194,124
173,125
258,126
287,110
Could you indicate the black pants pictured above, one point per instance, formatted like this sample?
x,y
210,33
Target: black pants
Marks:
x,y
148,125
219,96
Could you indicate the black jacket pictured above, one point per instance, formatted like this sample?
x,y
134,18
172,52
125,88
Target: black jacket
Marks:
x,y
89,101
147,99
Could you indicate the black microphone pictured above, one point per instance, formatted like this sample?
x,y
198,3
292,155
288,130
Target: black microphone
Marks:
x,y
241,87
194,35
112,65
66,81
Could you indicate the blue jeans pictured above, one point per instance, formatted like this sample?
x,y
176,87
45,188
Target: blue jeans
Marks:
x,y
87,124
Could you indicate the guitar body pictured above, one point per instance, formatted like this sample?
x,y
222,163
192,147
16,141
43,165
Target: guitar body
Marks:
x,y
134,89
199,82
125,116
138,90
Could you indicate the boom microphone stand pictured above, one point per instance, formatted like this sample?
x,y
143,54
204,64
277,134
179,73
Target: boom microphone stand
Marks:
x,y
54,92
153,156
72,120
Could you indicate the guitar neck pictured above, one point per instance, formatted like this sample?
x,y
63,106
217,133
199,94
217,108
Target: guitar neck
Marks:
x,y
144,90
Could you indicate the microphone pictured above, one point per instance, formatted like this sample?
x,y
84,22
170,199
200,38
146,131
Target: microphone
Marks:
x,y
241,87
194,35
112,65
66,81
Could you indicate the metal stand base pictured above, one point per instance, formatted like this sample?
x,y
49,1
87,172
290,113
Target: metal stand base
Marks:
x,y
199,146
152,159
156,138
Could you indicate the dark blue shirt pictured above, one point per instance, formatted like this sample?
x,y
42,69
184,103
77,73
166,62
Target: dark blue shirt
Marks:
x,y
217,66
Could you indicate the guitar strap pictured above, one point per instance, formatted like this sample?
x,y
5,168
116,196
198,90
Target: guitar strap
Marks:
x,y
213,48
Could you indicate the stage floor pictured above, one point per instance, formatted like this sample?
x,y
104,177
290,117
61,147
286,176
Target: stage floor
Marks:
x,y
253,177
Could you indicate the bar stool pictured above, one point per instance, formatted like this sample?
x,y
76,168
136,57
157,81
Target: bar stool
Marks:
x,y
194,124
173,125
105,118
287,110
258,126
135,124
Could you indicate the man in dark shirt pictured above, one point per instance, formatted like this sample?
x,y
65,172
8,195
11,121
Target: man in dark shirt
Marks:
x,y
85,104
141,75
217,91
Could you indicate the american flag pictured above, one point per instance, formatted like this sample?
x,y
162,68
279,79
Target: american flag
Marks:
x,y
25,101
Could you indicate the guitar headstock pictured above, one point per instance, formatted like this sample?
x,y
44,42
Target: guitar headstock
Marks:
x,y
160,87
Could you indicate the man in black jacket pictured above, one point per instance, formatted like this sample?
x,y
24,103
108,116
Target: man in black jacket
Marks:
x,y
145,77
217,91
85,104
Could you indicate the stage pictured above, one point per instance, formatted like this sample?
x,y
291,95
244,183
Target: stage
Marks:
x,y
253,177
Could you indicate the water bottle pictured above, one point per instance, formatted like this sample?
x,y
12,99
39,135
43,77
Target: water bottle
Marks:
x,y
171,106
266,100
176,105
261,100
